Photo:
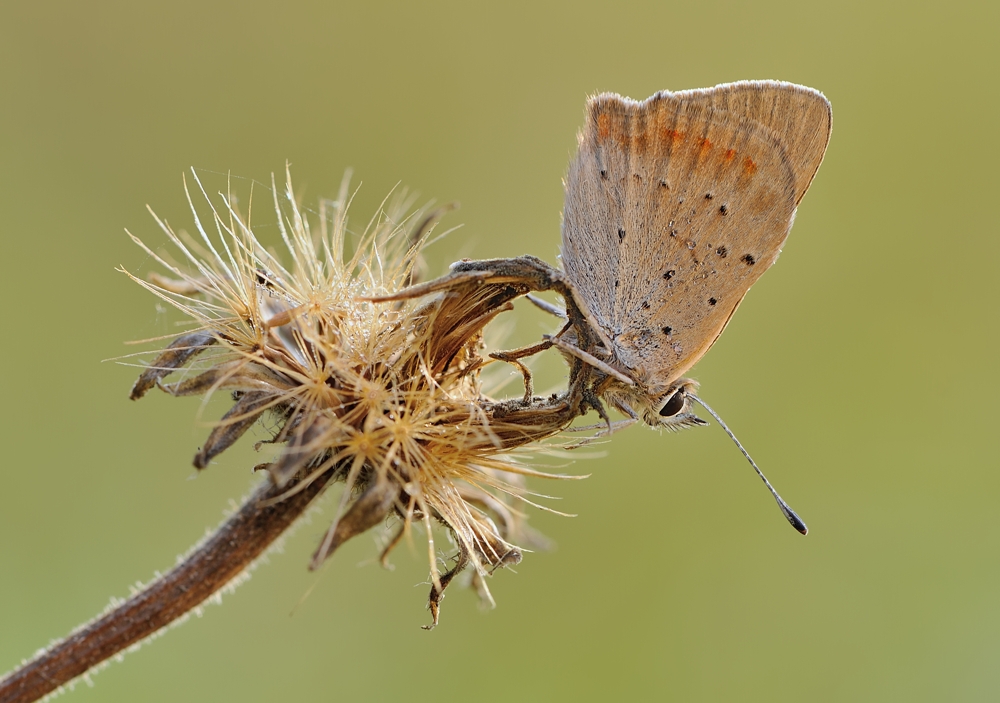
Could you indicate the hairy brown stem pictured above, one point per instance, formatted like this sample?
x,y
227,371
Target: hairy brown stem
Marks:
x,y
214,563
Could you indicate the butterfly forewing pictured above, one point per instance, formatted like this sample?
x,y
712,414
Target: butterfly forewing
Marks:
x,y
800,118
675,206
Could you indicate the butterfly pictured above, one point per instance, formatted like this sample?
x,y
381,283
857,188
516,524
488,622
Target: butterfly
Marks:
x,y
674,207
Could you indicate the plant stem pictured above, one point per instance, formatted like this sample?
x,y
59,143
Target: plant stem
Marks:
x,y
214,563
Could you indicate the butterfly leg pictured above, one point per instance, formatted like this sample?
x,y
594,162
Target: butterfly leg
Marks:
x,y
524,272
601,431
546,306
529,386
536,275
514,355
591,399
588,358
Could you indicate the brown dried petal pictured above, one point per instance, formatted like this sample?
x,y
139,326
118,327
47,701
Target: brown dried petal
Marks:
x,y
236,375
302,448
368,510
238,420
177,353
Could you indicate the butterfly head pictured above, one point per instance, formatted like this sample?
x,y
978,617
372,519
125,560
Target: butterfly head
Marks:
x,y
670,409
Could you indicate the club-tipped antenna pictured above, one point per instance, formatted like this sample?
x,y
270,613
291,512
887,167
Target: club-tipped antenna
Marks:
x,y
789,514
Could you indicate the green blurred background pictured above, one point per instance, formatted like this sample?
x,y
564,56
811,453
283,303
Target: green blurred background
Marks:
x,y
860,371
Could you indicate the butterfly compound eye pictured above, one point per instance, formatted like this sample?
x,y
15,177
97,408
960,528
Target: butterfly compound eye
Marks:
x,y
674,404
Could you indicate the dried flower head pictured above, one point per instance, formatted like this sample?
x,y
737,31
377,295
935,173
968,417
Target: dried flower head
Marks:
x,y
384,396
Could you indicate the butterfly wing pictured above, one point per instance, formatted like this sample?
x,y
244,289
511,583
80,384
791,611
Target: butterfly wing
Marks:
x,y
799,117
676,205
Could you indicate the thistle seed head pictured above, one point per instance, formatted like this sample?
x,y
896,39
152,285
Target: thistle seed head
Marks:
x,y
385,397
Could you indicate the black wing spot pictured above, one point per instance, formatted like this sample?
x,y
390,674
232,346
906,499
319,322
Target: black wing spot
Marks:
x,y
749,260
723,209
604,174
668,330
712,301
708,196
621,234
722,251
617,282
667,275
663,183
645,305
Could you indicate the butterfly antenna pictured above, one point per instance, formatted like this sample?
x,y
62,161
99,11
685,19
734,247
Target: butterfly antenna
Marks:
x,y
789,514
